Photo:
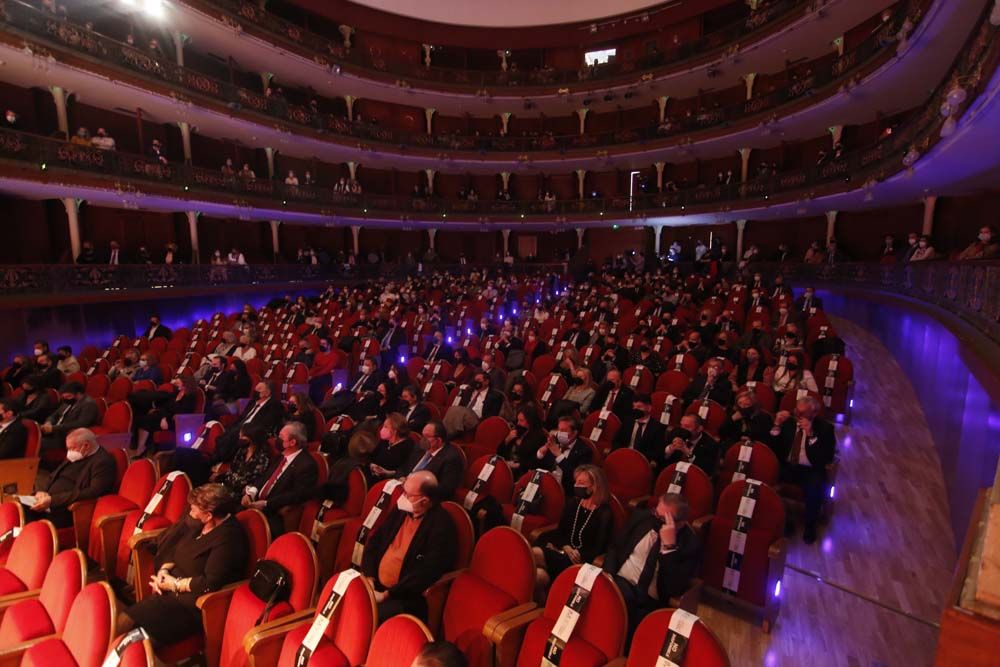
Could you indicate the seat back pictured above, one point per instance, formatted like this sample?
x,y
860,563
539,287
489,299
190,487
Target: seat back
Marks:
x,y
673,382
398,642
139,481
258,533
464,531
136,654
696,488
118,418
491,432
553,496
703,648
763,465
119,390
607,434
32,553
629,474
97,385
89,629
168,511
499,486
66,577
33,444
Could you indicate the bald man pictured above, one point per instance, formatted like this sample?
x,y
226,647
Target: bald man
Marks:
x,y
411,550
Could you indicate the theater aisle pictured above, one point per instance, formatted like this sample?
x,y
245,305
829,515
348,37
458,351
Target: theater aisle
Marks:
x,y
869,592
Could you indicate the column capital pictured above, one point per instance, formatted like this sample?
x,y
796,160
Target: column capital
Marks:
x,y
741,225
745,153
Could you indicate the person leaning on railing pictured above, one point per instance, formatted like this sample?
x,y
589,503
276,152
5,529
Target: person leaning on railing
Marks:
x,y
986,245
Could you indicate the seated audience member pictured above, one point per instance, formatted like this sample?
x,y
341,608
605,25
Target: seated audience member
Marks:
x,y
523,441
67,363
156,329
413,548
924,251
986,245
265,413
805,303
655,557
581,391
613,396
712,386
476,403
306,354
563,452
201,554
584,530
393,450
291,480
160,417
125,365
690,443
48,372
360,448
88,472
440,654
518,396
369,378
228,346
300,409
416,413
437,349
805,444
13,435
438,456
463,368
745,420
250,462
35,401
751,369
245,351
228,388
20,368
76,411
148,369
641,432
792,377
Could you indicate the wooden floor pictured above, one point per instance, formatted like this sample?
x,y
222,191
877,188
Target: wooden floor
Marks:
x,y
869,592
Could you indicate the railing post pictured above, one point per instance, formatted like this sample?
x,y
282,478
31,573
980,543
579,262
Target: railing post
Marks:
x,y
740,226
186,141
579,237
429,116
72,206
180,39
430,180
749,79
745,164
352,169
836,132
270,162
505,121
657,231
661,101
192,218
506,241
581,175
930,203
659,175
349,102
431,233
582,114
59,97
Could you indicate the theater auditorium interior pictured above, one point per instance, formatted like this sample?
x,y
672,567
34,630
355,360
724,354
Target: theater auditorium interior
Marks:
x,y
451,333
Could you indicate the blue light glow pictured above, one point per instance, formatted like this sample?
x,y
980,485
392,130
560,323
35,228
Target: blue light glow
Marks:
x,y
833,491
187,437
777,589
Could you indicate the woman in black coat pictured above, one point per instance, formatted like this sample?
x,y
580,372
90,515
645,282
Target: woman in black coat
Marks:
x,y
520,448
393,449
160,417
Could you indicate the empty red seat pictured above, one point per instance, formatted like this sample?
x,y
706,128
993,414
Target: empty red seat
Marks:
x,y
702,648
87,636
489,434
673,382
498,485
711,413
133,650
629,474
134,492
29,558
115,429
758,462
601,427
398,642
45,612
11,517
119,390
549,508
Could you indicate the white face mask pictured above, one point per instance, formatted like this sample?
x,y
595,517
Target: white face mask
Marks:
x,y
73,455
562,437
367,370
985,238
404,505
143,363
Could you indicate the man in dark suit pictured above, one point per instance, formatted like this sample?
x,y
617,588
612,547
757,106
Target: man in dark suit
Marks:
x,y
416,413
369,379
655,558
436,455
291,480
563,452
641,432
805,303
391,338
805,445
265,413
691,443
575,336
156,329
496,376
437,350
48,371
13,435
414,548
713,385
692,345
77,410
613,396
746,420
88,472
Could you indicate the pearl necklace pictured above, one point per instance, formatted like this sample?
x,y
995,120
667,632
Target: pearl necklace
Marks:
x,y
572,532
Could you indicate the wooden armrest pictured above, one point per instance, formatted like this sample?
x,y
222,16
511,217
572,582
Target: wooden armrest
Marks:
x,y
145,538
327,541
508,634
541,530
214,607
263,643
497,619
12,599
109,529
83,514
10,656
701,524
142,556
638,501
436,594
689,599
777,549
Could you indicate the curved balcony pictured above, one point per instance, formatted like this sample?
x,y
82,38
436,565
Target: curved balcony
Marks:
x,y
250,17
33,24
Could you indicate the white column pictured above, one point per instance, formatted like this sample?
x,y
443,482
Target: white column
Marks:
x,y
506,241
659,175
355,234
581,174
186,141
503,59
72,206
744,164
839,45
349,101
505,121
657,230
579,237
275,238
505,179
740,226
831,224
59,97
662,102
836,132
270,161
265,79
429,117
346,31
192,218
930,203
352,169
180,39
427,54
430,180
749,79
582,114
431,233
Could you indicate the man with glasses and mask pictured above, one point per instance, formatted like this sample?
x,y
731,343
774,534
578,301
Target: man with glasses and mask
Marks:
x,y
291,479
563,452
88,472
655,558
412,549
439,457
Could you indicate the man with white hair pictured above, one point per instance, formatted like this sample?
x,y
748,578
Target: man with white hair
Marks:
x,y
87,473
291,479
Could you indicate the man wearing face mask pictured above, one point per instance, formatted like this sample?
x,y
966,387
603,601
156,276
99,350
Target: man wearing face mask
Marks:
x,y
410,551
496,376
88,472
805,303
20,368
48,371
692,345
156,329
655,558
264,412
291,479
613,396
416,413
714,385
643,356
13,435
563,452
437,349
439,457
641,432
369,378
691,443
986,245
756,336
149,369
67,362
76,411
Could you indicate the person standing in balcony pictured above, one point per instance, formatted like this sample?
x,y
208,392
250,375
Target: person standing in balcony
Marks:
x,y
236,257
103,141
247,174
228,170
986,245
924,250
156,152
10,120
81,138
291,179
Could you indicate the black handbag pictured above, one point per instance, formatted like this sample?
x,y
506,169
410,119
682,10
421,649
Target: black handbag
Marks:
x,y
271,583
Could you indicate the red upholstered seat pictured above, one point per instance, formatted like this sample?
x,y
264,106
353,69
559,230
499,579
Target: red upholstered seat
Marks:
x,y
639,379
86,637
549,509
357,489
703,648
116,421
97,385
629,474
697,489
11,516
763,465
29,559
34,442
489,434
499,486
134,492
167,512
552,388
673,382
350,533
607,435
397,642
834,398
599,635
501,576
47,613
119,390
671,404
138,654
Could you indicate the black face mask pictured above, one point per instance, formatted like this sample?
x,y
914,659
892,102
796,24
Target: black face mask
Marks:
x,y
582,492
575,381
69,401
517,395
683,434
792,367
639,414
521,430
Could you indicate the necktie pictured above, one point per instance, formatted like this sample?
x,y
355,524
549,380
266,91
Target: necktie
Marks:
x,y
357,385
611,398
637,435
706,391
649,568
253,413
797,444
422,463
269,484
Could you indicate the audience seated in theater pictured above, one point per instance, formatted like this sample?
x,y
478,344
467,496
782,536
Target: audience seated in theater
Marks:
x,y
655,557
756,337
437,349
360,448
163,406
413,410
20,368
250,461
613,396
986,245
393,449
76,411
691,443
227,389
476,402
228,346
156,329
88,472
203,553
924,251
48,371
413,548
35,401
291,479
805,444
640,431
584,530
13,435
792,377
300,408
245,351
264,412
805,303
103,140
714,385
67,363
745,420
692,344
580,395
438,456
521,445
148,369
563,452
906,252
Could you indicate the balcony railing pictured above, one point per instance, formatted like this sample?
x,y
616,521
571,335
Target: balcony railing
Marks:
x,y
331,52
21,18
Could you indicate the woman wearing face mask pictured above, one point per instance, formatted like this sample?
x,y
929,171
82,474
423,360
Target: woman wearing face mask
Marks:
x,y
584,530
251,461
581,390
751,369
463,370
792,376
924,250
20,368
523,441
149,369
393,449
245,350
160,417
519,395
301,409
203,553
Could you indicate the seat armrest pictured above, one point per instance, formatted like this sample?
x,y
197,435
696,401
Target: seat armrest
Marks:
x,y
701,526
12,599
141,546
83,514
263,643
638,501
507,634
291,515
497,619
689,599
10,656
214,608
777,550
436,595
109,529
541,530
328,540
